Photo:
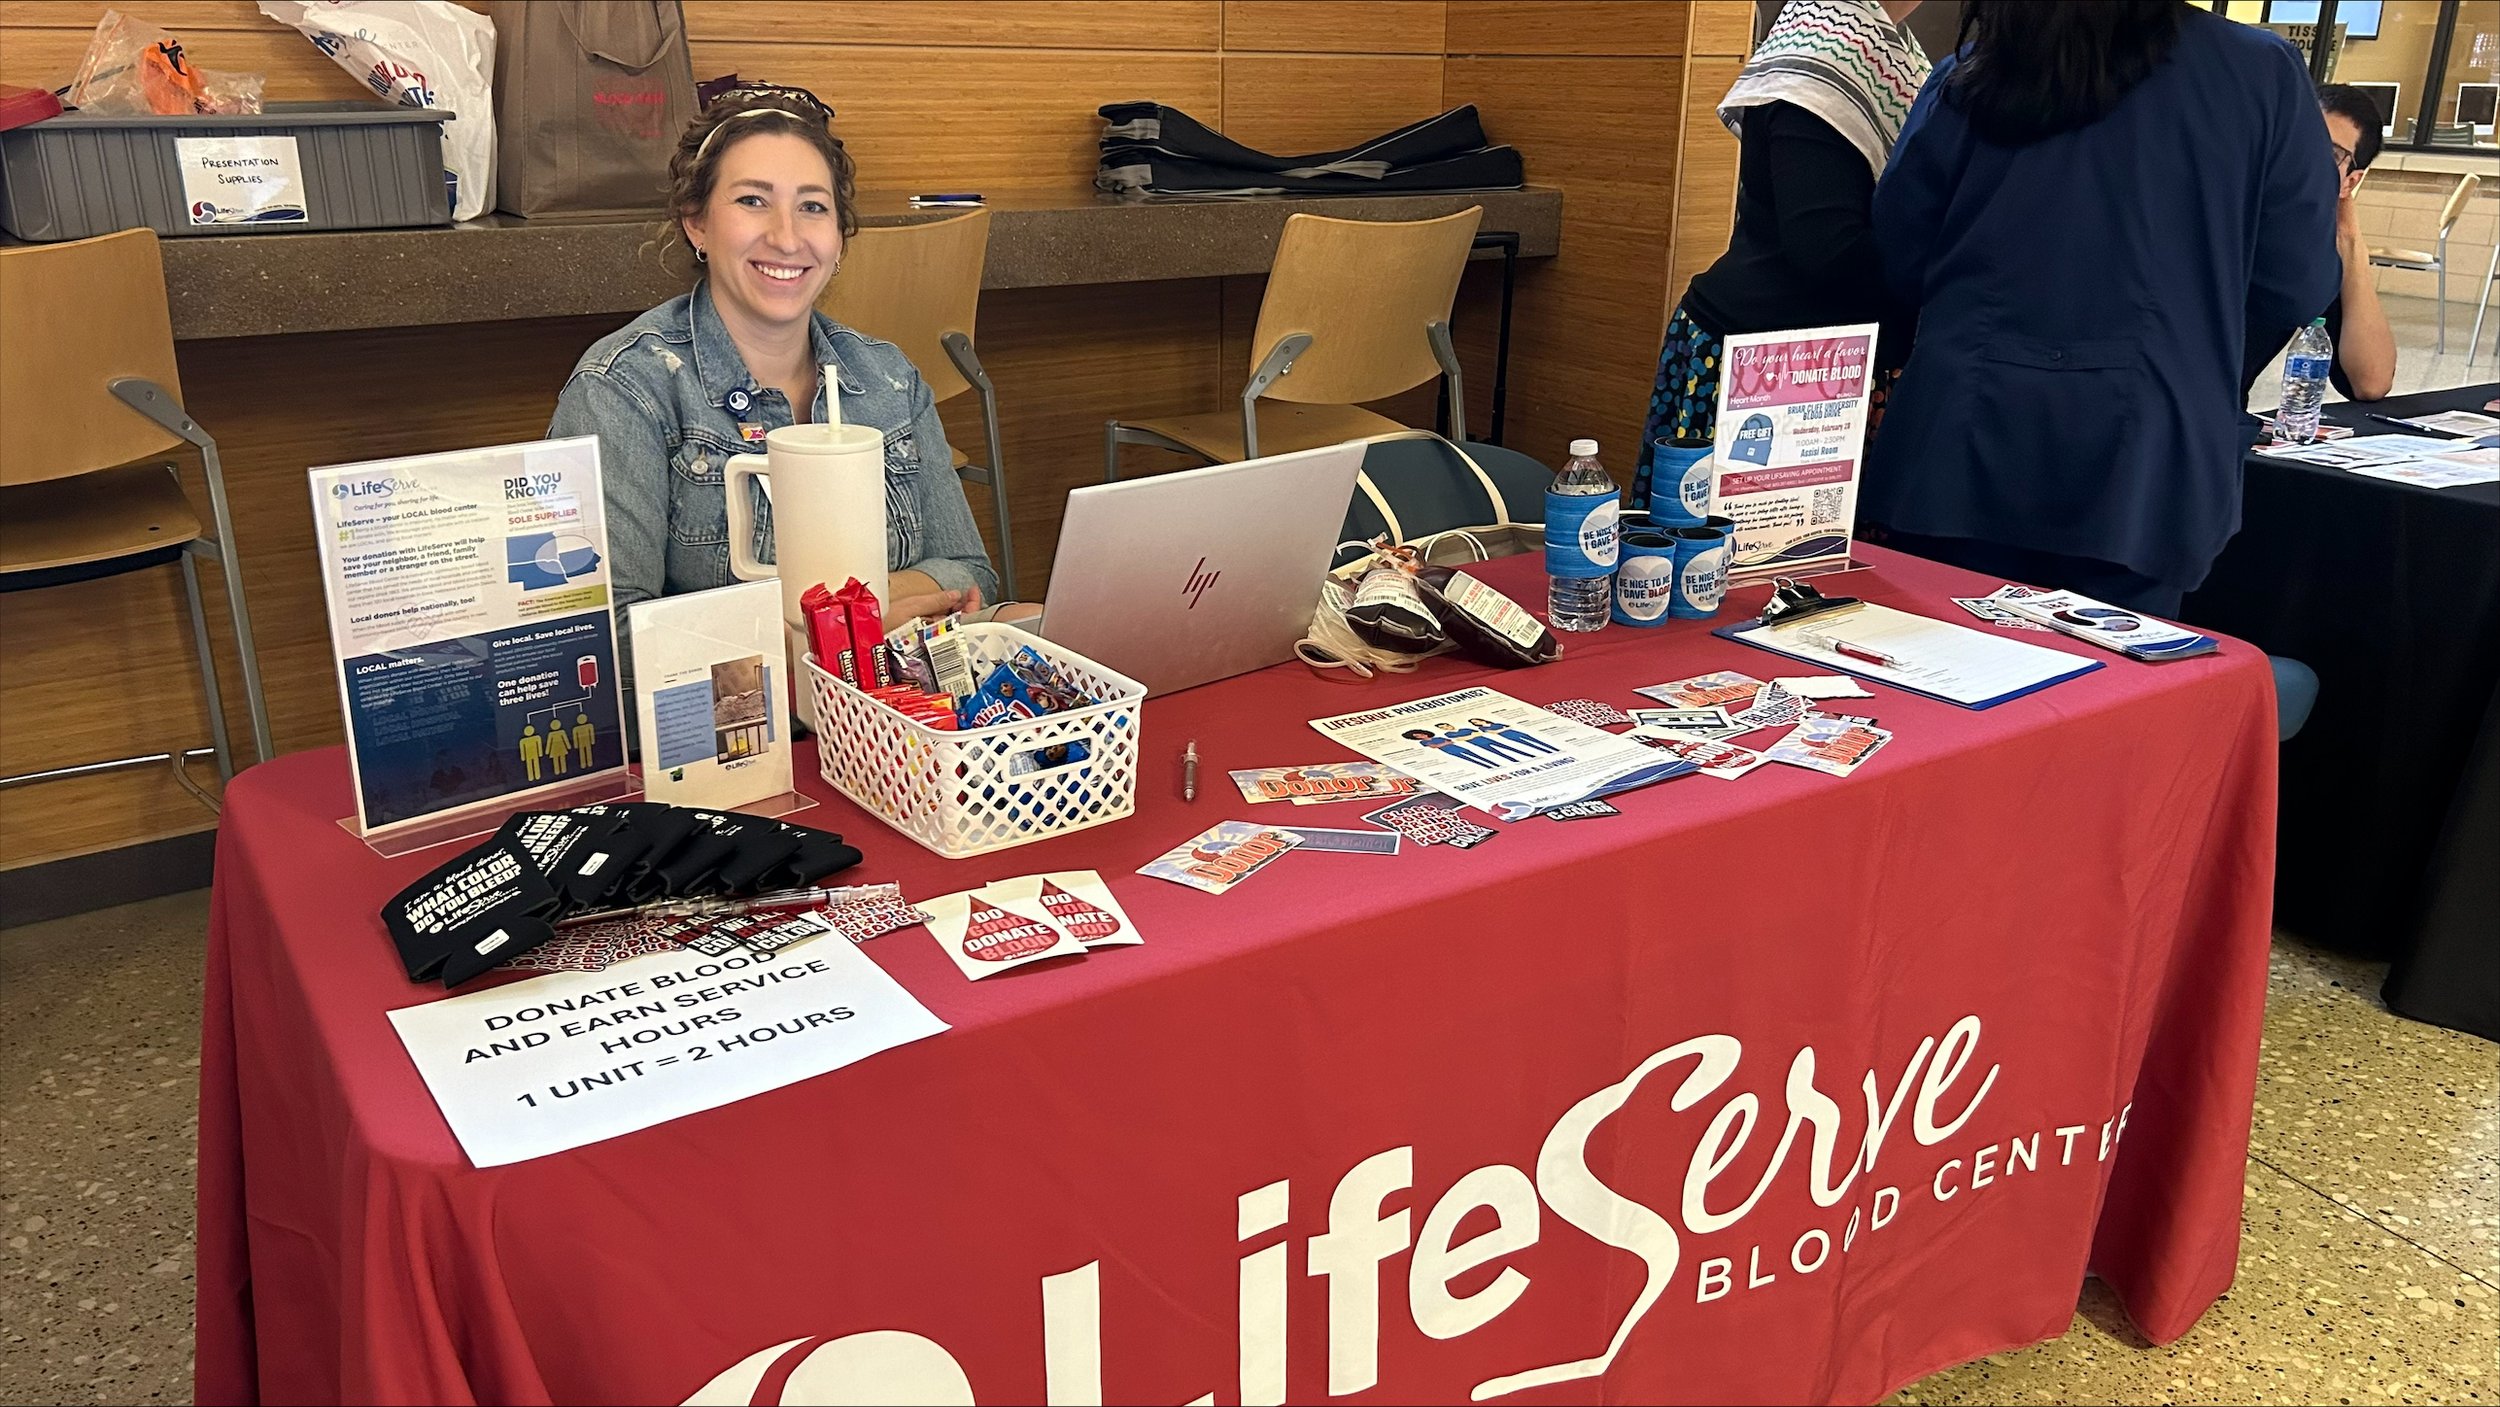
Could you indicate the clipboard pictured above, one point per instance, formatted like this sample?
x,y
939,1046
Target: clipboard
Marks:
x,y
1986,661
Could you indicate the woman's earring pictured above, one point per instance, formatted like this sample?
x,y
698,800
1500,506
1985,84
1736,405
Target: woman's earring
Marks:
x,y
700,257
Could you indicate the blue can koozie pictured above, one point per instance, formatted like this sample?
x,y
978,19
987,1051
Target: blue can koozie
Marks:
x,y
1700,573
1645,577
1680,473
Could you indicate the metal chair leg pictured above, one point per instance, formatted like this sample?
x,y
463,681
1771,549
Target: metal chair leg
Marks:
x,y
2482,305
959,351
1111,451
157,404
2443,293
208,667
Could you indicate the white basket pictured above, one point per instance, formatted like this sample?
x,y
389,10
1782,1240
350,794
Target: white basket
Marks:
x,y
959,793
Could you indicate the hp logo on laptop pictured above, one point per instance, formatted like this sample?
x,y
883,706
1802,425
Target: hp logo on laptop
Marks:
x,y
1200,582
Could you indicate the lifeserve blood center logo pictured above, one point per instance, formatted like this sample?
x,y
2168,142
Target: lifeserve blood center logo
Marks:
x,y
1934,1095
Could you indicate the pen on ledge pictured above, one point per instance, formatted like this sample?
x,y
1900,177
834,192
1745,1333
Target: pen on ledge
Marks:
x,y
960,198
1189,771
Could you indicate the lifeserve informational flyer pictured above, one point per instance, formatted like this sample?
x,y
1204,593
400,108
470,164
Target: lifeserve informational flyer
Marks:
x,y
1792,432
471,622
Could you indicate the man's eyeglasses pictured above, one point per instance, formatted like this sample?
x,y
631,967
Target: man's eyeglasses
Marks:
x,y
2343,158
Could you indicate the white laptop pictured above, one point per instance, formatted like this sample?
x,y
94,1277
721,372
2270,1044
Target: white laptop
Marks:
x,y
1185,578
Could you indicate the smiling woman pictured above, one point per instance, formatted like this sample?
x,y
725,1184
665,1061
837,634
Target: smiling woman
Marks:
x,y
761,191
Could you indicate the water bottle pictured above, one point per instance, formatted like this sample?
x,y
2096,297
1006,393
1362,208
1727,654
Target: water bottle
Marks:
x,y
1583,526
2304,384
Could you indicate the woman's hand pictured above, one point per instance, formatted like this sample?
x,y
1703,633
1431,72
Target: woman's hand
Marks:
x,y
931,605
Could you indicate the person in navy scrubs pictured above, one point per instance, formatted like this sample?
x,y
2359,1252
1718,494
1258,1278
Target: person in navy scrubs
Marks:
x,y
2092,202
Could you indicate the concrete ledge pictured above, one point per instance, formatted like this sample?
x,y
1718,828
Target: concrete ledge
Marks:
x,y
501,269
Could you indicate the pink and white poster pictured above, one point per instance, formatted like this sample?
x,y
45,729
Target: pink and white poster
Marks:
x,y
1792,435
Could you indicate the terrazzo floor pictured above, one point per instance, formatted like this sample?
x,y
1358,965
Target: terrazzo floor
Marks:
x,y
2370,1271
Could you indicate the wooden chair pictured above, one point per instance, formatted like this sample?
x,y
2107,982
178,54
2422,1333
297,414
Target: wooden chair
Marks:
x,y
919,287
2435,261
92,389
1355,310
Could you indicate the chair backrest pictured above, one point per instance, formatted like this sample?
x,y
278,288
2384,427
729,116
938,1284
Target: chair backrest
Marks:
x,y
2458,199
90,311
911,285
1364,290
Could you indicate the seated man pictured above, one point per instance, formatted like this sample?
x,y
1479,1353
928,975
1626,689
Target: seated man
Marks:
x,y
2365,347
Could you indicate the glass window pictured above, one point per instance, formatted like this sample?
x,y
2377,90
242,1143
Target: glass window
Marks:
x,y
2391,62
2470,89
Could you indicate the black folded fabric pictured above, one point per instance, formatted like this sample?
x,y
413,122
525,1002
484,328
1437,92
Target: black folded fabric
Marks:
x,y
1156,127
758,846
1153,149
488,905
818,855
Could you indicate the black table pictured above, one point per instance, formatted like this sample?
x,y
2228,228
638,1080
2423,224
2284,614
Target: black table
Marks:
x,y
2390,821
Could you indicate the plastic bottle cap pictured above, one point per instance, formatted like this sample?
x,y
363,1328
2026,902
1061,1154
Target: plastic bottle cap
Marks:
x,y
2317,322
1583,449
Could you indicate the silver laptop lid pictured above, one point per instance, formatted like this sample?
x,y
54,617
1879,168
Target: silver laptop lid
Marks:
x,y
1184,578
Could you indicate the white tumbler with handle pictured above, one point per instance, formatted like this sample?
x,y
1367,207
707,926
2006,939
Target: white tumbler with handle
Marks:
x,y
827,487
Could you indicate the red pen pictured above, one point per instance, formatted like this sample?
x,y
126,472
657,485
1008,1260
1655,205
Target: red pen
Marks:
x,y
1857,652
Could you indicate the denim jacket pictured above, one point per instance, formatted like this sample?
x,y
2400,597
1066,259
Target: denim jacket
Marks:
x,y
658,391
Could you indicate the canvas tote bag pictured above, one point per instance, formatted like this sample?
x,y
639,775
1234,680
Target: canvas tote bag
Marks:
x,y
590,96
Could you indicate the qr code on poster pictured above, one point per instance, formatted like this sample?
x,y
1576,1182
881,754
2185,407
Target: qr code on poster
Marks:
x,y
1827,503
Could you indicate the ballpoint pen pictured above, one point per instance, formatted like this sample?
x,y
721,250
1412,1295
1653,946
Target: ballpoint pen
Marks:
x,y
1856,652
1189,771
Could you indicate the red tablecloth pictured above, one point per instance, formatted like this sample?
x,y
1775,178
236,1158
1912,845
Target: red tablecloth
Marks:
x,y
2033,937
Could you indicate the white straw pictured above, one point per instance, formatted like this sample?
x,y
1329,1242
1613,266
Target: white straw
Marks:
x,y
833,396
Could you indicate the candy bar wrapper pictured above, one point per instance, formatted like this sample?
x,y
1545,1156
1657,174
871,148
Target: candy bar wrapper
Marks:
x,y
1076,900
985,936
949,661
829,634
909,657
1222,856
867,633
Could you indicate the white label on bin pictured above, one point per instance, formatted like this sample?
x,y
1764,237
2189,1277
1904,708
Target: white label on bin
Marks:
x,y
241,180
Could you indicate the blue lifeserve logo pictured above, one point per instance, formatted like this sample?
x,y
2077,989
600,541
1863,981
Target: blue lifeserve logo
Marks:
x,y
382,487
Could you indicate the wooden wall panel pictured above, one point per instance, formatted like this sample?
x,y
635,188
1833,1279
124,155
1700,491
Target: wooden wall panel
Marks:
x,y
1324,102
1024,24
1336,26
1722,28
971,119
1602,129
1588,28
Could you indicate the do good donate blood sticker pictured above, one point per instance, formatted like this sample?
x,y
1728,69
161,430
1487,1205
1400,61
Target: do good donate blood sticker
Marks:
x,y
984,934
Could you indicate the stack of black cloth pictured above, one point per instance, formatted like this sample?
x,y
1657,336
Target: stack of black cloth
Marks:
x,y
1150,149
506,896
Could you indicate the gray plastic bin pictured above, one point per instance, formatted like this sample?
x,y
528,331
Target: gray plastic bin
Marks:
x,y
363,168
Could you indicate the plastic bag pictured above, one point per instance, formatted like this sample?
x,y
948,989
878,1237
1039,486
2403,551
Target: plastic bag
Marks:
x,y
133,69
423,54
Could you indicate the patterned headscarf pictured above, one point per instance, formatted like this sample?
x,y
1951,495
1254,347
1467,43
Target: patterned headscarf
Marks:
x,y
1844,61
